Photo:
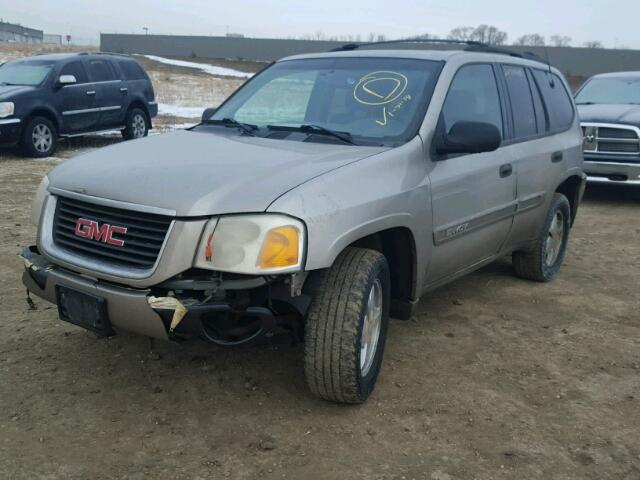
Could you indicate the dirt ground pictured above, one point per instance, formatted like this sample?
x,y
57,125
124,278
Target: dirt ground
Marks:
x,y
494,377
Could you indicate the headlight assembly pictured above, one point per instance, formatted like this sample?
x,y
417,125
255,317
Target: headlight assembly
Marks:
x,y
6,109
252,244
38,201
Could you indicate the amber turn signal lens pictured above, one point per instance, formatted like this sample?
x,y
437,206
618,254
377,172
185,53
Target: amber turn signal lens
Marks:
x,y
280,248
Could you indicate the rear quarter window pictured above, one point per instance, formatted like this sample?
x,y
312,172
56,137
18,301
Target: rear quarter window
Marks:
x,y
131,70
556,98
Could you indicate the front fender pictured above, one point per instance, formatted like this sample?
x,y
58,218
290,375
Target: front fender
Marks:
x,y
384,191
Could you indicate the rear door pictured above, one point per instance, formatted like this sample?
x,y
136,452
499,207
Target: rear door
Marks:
x,y
110,93
473,196
541,115
77,102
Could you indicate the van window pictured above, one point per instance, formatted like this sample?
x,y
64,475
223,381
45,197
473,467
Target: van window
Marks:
x,y
556,98
101,71
131,70
77,70
524,115
473,97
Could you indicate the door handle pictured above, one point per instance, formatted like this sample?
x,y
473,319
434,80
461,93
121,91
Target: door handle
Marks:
x,y
124,89
91,92
506,170
557,157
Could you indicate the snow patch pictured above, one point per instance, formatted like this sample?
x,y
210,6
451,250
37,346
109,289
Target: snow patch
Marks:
x,y
210,69
179,111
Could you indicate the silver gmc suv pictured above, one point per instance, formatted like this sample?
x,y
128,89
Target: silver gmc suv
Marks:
x,y
324,196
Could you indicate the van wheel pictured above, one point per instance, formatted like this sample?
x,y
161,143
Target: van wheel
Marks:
x,y
346,327
39,138
544,259
136,124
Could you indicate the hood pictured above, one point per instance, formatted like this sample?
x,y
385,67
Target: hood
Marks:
x,y
606,113
202,173
7,92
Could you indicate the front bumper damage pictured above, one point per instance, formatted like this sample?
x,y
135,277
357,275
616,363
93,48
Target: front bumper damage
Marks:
x,y
161,313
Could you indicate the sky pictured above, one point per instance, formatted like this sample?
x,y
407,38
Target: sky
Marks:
x,y
614,23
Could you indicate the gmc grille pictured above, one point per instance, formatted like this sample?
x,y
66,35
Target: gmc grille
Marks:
x,y
143,240
620,140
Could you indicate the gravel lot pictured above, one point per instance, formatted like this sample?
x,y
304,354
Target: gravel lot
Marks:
x,y
494,378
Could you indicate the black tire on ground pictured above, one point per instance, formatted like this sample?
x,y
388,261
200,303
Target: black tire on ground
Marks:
x,y
336,366
136,124
544,259
39,137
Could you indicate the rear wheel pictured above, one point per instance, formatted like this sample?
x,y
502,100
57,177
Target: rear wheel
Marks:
x,y
136,124
544,259
346,327
39,138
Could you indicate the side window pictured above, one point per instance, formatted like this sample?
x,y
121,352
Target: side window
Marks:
x,y
556,98
541,115
100,71
131,70
77,70
473,96
524,115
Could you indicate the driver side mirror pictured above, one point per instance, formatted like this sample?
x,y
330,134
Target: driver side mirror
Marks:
x,y
67,80
469,137
208,113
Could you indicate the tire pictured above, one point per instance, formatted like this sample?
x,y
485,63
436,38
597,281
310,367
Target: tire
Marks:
x,y
136,124
544,259
39,138
337,365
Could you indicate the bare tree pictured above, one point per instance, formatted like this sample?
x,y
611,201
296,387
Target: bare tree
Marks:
x,y
531,40
593,44
483,33
462,33
426,36
560,40
490,35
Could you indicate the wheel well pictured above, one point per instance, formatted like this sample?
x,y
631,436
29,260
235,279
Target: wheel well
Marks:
x,y
141,106
46,114
570,188
398,246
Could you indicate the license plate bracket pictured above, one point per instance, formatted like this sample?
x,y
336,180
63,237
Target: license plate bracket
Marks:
x,y
84,310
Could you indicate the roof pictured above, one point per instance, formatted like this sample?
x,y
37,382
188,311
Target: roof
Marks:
x,y
435,55
628,75
56,57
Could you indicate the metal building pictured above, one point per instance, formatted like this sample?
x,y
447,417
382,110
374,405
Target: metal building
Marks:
x,y
10,32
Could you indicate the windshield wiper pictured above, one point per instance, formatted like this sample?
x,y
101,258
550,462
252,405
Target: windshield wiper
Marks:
x,y
247,128
585,103
317,129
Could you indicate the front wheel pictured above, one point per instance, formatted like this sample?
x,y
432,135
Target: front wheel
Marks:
x,y
346,327
544,259
39,138
136,124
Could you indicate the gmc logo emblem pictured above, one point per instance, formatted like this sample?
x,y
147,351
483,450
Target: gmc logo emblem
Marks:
x,y
101,233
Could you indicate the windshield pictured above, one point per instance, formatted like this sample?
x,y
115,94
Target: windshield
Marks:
x,y
30,73
377,101
610,90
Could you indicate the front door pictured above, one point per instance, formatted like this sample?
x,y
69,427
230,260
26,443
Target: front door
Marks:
x,y
77,101
473,196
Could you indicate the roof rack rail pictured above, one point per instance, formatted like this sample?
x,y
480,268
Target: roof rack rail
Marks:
x,y
483,48
111,53
355,46
471,46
